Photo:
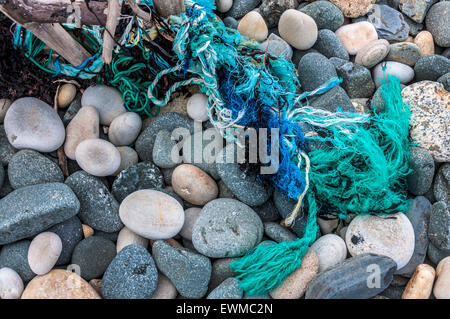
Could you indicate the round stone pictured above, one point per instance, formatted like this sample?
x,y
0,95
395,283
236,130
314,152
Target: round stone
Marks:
x,y
442,285
422,164
11,285
163,150
131,275
329,45
404,52
325,14
194,185
84,126
402,71
4,106
127,237
421,284
31,123
128,158
438,23
93,255
253,26
354,8
391,236
226,228
190,216
314,70
107,100
196,107
29,167
67,93
356,36
298,29
152,214
97,157
124,129
331,250
224,5
43,252
424,40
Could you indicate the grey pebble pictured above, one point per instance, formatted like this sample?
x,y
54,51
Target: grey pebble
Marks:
x,y
15,256
388,22
278,233
220,272
70,232
241,7
329,45
325,14
431,67
228,289
441,186
439,229
357,80
422,164
314,69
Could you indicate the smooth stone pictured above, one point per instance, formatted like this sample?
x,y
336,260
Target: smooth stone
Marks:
x,y
294,286
441,288
188,271
127,237
167,121
439,228
391,68
389,23
93,255
391,236
143,175
124,129
223,6
7,151
225,192
325,14
334,99
267,211
271,10
194,185
377,103
424,40
404,52
31,123
353,8
97,157
67,93
360,277
422,164
128,158
435,254
431,67
72,110
45,205
328,226
84,126
441,187
131,275
228,289
357,80
110,236
329,45
298,29
243,183
356,36
197,107
43,252
190,216
4,106
165,288
253,26
2,175
220,272
330,250
28,167
15,256
429,117
11,285
226,228
107,100
278,233
230,22
445,81
59,284
99,209
177,104
314,70
416,10
437,22
277,47
162,150
241,7
419,216
152,214
420,285
70,232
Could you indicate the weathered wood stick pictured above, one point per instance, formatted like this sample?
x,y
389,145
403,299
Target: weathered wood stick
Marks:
x,y
169,7
114,9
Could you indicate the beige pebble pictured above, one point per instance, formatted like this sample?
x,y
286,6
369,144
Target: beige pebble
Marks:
x,y
66,94
128,158
328,226
421,283
372,53
252,25
356,36
11,285
152,214
330,250
294,286
87,231
224,5
84,126
59,284
353,8
298,29
442,285
124,129
165,288
97,157
97,285
424,40
4,106
44,252
194,185
190,216
127,237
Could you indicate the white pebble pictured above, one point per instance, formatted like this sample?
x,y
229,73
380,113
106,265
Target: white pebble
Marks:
x,y
11,285
331,250
196,107
44,252
107,100
404,72
124,129
224,5
97,157
127,237
298,29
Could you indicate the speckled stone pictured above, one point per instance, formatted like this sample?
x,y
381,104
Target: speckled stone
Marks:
x,y
241,7
28,167
354,8
278,233
422,164
334,99
226,228
416,9
445,81
329,45
441,187
439,229
388,22
162,150
271,10
45,204
71,233
326,14
267,211
431,67
436,255
131,275
15,256
93,255
429,117
188,271
404,52
314,69
99,208
107,100
2,175
7,151
143,175
357,80
228,289
243,184
220,272
438,23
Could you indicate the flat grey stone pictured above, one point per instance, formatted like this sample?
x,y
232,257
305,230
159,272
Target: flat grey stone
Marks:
x,y
431,67
437,22
278,233
329,45
70,232
241,7
388,22
422,164
439,229
15,256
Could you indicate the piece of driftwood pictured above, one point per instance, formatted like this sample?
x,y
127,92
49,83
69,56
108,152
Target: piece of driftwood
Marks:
x,y
114,9
169,7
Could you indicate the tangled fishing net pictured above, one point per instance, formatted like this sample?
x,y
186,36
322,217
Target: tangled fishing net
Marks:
x,y
360,169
